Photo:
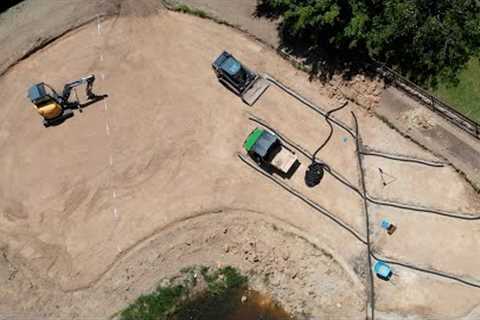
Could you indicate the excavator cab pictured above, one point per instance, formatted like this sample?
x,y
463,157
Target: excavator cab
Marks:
x,y
46,101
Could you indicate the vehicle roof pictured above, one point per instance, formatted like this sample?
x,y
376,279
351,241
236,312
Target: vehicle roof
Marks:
x,y
252,139
259,141
382,269
36,92
227,63
219,60
231,66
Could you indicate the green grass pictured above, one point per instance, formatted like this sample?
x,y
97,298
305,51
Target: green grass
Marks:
x,y
194,12
156,305
230,277
175,301
465,97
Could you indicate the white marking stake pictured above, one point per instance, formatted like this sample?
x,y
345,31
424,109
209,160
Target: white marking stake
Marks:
x,y
98,26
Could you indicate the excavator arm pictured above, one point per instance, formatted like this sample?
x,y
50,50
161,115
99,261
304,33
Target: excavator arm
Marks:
x,y
88,80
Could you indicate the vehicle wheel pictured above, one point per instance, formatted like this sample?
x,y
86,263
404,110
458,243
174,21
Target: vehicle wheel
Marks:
x,y
314,174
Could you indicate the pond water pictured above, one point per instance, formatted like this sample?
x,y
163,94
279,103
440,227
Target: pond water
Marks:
x,y
256,307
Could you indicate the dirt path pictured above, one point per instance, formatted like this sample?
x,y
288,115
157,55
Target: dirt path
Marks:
x,y
85,205
238,13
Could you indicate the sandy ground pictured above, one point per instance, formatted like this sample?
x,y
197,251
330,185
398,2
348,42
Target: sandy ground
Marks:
x,y
239,13
30,24
429,129
99,209
404,113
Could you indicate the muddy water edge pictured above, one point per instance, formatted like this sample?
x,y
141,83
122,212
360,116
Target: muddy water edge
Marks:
x,y
241,304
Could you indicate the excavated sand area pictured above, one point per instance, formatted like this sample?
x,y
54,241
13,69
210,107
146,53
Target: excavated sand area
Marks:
x,y
97,210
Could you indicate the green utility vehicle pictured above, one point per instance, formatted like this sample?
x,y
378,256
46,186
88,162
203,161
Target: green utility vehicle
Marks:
x,y
266,149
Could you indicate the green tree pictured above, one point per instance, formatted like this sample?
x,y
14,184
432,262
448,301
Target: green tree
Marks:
x,y
424,39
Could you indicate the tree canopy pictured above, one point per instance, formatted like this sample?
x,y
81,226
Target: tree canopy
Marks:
x,y
423,39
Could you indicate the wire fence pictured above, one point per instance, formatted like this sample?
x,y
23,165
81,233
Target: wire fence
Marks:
x,y
438,106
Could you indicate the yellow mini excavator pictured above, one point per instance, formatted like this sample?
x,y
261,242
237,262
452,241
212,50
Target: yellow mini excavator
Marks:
x,y
55,108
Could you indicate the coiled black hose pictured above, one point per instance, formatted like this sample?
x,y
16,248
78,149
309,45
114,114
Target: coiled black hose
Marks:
x,y
349,185
330,134
344,181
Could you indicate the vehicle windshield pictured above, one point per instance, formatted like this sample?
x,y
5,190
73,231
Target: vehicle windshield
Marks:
x,y
273,150
41,94
267,146
235,70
